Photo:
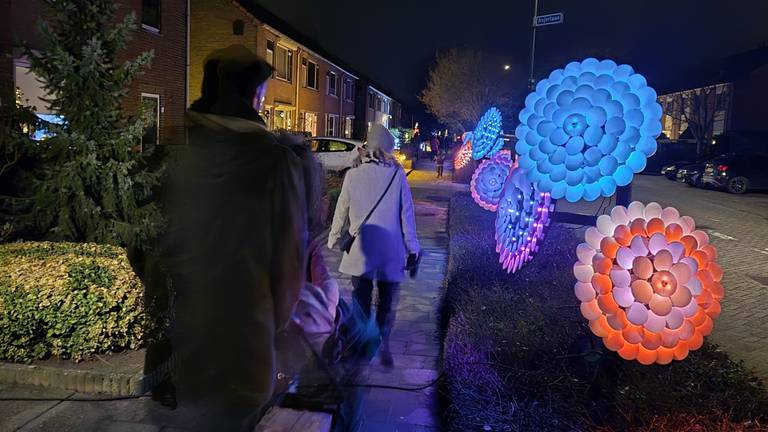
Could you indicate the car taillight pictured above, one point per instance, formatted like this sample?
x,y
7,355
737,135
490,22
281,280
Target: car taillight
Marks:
x,y
722,167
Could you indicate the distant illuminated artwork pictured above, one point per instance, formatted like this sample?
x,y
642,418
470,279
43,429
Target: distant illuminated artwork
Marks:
x,y
587,129
648,283
488,180
486,138
522,216
464,154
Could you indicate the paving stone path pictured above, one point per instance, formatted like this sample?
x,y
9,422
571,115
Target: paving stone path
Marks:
x,y
413,342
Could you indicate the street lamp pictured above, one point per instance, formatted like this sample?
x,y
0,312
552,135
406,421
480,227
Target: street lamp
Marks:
x,y
507,67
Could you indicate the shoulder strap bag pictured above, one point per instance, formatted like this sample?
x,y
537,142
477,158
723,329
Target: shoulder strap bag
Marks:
x,y
347,240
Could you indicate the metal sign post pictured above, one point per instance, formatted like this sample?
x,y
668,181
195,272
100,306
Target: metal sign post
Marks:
x,y
539,21
623,198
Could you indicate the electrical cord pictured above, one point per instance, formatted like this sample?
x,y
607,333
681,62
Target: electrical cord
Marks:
x,y
108,399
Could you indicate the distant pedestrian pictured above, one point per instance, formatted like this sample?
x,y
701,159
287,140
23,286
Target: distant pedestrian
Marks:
x,y
435,144
440,163
376,202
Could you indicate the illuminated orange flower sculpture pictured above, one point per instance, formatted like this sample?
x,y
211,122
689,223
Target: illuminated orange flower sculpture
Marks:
x,y
648,283
464,154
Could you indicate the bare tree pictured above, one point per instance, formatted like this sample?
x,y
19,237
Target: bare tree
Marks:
x,y
464,83
698,108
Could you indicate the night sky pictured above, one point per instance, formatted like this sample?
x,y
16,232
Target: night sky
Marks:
x,y
394,41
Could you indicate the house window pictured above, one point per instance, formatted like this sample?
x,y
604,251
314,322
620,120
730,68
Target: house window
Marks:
x,y
283,118
331,124
371,100
349,90
283,63
348,120
332,83
718,123
270,57
378,103
311,75
150,14
310,123
151,135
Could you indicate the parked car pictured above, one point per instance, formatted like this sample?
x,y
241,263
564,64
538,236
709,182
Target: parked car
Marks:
x,y
670,171
335,154
691,174
736,173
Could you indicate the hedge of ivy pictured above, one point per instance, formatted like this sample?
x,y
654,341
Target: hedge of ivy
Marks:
x,y
68,300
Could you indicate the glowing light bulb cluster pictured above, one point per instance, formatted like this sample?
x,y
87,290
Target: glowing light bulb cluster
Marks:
x,y
648,283
488,180
486,138
523,214
464,154
587,129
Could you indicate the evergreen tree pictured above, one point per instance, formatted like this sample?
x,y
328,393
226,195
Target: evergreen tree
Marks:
x,y
93,186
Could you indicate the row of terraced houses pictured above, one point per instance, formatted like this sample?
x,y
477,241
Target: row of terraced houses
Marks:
x,y
310,91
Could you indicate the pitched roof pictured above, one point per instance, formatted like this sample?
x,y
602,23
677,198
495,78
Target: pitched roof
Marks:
x,y
267,17
728,69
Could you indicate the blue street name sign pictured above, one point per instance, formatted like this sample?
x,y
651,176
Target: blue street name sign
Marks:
x,y
549,19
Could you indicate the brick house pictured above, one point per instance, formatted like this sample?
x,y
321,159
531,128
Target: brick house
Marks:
x,y
724,98
162,28
375,107
310,91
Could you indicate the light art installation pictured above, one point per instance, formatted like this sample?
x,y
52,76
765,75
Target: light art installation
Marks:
x,y
486,138
464,154
587,129
648,283
523,214
488,180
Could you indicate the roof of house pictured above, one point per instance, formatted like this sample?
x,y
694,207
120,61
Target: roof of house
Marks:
x,y
267,17
727,69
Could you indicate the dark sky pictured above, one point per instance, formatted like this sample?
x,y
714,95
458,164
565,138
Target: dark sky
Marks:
x,y
394,41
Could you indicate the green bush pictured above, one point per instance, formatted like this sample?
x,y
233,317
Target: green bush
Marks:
x,y
69,300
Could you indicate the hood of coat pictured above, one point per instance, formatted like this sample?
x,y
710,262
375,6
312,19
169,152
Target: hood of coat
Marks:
x,y
379,138
231,77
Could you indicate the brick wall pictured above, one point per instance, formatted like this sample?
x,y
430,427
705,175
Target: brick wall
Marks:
x,y
211,29
165,77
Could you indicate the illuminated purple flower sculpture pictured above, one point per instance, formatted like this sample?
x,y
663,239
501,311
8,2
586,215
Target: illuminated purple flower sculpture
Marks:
x,y
488,180
523,214
486,138
587,129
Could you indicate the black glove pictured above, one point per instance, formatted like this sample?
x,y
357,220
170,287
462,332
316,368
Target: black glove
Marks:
x,y
412,265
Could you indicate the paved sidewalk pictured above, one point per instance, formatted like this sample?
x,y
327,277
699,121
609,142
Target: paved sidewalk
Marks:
x,y
414,344
414,341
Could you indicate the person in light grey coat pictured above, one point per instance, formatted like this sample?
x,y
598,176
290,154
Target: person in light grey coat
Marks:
x,y
379,250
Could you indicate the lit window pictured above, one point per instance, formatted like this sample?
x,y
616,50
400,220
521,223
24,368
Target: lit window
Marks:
x,y
310,123
718,123
150,14
331,81
311,76
283,63
348,120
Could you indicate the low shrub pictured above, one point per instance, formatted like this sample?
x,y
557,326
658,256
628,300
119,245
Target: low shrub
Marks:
x,y
68,300
519,356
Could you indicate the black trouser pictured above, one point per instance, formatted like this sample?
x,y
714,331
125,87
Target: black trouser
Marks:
x,y
439,170
389,294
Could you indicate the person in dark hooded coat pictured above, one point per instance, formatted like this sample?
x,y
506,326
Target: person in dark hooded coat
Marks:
x,y
238,230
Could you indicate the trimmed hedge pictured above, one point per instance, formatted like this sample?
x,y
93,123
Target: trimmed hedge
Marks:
x,y
68,300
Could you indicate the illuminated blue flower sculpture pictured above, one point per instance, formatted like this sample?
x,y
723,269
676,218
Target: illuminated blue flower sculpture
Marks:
x,y
488,180
523,214
486,138
587,129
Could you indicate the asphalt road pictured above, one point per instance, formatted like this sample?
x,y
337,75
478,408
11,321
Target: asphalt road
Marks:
x,y
738,228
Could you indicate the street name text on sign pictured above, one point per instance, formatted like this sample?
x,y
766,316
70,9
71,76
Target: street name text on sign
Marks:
x,y
549,19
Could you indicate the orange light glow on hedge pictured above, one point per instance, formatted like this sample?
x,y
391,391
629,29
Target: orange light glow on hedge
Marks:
x,y
648,283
